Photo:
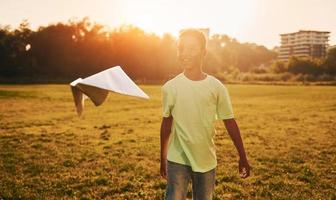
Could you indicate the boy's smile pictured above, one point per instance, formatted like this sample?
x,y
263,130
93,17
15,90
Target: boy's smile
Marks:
x,y
190,54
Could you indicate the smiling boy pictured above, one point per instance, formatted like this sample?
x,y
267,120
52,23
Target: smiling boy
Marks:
x,y
191,102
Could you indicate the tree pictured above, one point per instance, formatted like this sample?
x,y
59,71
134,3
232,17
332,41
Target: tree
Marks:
x,y
305,66
279,67
330,63
78,48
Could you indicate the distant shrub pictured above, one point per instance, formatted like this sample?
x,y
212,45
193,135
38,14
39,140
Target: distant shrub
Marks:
x,y
286,76
259,77
327,77
260,70
305,66
273,77
279,67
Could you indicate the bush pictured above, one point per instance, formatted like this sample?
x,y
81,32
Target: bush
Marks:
x,y
305,66
326,77
286,76
330,63
279,67
260,70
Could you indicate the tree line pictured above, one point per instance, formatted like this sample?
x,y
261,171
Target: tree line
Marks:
x,y
65,51
311,66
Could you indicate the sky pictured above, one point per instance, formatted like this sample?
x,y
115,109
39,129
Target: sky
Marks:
x,y
254,21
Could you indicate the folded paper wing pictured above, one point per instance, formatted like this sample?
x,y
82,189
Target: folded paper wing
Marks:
x,y
97,87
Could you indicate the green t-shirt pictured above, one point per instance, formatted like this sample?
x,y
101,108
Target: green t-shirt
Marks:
x,y
194,105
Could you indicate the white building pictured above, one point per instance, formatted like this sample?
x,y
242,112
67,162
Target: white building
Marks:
x,y
305,43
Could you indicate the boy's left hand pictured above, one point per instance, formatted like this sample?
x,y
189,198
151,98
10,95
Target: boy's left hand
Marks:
x,y
244,168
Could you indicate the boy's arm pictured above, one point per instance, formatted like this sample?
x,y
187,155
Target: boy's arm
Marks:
x,y
234,132
165,130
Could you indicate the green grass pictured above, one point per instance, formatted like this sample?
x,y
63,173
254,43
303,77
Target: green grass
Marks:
x,y
112,151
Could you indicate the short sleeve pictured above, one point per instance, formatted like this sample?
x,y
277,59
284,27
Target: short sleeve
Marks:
x,y
224,106
167,101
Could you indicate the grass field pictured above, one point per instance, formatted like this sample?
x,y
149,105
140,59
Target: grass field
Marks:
x,y
112,151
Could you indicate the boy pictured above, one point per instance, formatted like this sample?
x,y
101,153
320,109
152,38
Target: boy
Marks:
x,y
191,102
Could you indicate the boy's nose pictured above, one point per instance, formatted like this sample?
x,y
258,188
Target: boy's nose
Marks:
x,y
186,54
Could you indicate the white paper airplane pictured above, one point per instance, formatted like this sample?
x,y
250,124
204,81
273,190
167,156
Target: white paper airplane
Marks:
x,y
97,87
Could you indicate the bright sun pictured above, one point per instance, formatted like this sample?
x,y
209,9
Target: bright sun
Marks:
x,y
225,16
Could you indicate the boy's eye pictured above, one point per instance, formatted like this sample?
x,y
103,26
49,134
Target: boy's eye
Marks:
x,y
192,49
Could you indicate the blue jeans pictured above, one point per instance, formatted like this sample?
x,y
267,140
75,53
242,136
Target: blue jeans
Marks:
x,y
178,177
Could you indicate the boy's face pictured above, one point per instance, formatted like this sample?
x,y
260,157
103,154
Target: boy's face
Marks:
x,y
189,52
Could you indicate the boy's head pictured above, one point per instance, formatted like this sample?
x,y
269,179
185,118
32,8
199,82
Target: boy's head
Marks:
x,y
191,48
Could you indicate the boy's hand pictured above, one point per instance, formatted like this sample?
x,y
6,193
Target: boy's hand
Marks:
x,y
244,168
163,169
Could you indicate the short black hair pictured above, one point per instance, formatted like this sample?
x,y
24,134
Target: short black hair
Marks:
x,y
199,35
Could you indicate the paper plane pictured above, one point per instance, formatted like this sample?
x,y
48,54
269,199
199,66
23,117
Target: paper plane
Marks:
x,y
97,87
